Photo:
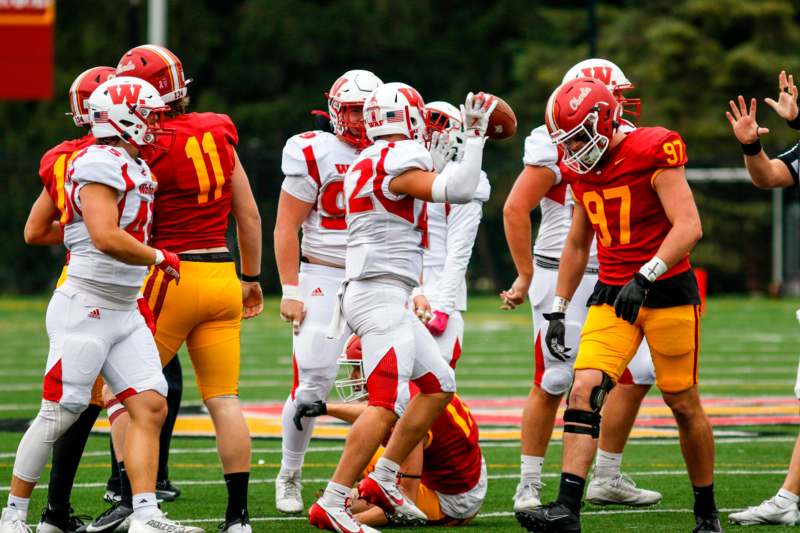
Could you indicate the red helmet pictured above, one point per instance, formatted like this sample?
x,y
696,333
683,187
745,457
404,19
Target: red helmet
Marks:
x,y
157,65
80,90
582,111
352,386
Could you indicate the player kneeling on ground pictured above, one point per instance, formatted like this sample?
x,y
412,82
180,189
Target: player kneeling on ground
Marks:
x,y
92,320
631,193
445,474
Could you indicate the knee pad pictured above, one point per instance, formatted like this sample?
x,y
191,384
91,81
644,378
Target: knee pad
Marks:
x,y
313,388
589,420
52,421
557,379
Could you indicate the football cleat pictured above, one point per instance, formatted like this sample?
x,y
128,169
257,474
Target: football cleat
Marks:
x,y
400,509
620,489
166,491
159,523
111,497
240,525
288,492
13,521
60,522
707,524
528,496
338,519
551,518
768,512
111,519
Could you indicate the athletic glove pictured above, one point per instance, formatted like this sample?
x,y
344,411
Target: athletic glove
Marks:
x,y
443,150
170,264
310,410
631,297
438,323
147,314
555,337
476,112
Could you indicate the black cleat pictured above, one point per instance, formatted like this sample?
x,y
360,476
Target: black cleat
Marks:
x,y
708,524
166,491
551,518
60,522
110,520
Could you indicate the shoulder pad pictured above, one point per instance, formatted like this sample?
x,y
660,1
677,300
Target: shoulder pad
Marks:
x,y
539,149
407,155
304,148
99,164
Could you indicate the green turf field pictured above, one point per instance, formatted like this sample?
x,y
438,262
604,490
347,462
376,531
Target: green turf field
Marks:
x,y
749,348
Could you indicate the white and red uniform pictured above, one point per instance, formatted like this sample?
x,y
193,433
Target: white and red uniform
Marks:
x,y
314,164
93,322
552,375
384,263
451,233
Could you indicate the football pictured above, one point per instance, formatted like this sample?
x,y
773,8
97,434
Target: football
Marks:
x,y
503,122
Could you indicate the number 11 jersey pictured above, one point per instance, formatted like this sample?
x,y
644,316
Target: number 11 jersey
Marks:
x,y
194,181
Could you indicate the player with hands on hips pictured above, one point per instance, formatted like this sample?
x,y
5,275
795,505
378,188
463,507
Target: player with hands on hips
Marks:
x,y
385,190
93,320
311,270
449,236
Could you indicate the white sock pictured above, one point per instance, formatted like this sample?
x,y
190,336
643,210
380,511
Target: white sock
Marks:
x,y
19,504
607,464
531,468
386,470
785,498
295,443
335,494
145,505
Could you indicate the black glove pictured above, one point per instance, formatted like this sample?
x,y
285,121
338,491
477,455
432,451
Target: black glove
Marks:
x,y
631,298
554,339
311,410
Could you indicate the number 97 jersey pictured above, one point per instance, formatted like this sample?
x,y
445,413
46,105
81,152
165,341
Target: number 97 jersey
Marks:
x,y
194,181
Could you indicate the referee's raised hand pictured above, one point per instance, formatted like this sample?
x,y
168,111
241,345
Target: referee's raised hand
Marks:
x,y
786,106
743,121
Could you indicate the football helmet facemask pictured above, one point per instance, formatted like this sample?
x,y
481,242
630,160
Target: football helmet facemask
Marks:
x,y
352,387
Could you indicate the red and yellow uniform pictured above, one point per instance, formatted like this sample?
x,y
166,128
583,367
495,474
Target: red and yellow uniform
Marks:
x,y
193,202
630,224
52,171
452,461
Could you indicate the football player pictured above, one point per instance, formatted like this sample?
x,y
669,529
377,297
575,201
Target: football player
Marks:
x,y
631,194
542,183
312,199
384,192
93,320
445,474
449,232
200,183
767,173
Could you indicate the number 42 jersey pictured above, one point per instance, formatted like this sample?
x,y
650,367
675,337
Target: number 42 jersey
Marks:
x,y
194,181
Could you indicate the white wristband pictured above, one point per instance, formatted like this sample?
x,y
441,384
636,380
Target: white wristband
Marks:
x,y
159,257
291,292
653,269
416,291
559,305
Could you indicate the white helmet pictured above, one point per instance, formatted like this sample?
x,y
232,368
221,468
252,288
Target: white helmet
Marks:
x,y
395,108
612,76
445,119
348,93
442,116
121,106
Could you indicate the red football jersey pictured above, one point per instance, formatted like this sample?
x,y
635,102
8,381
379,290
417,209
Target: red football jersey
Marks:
x,y
628,219
452,457
53,169
193,199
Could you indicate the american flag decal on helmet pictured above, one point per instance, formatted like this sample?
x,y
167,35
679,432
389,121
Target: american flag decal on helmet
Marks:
x,y
100,116
395,116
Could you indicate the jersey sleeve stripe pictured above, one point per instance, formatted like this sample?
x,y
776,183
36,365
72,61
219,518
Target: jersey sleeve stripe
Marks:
x,y
311,163
653,177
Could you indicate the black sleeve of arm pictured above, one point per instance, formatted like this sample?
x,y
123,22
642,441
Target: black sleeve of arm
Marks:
x,y
791,158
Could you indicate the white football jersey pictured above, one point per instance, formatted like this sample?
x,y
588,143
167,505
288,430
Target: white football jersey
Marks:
x,y
557,204
384,237
451,232
314,165
135,188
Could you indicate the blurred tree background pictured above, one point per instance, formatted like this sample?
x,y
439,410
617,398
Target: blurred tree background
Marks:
x,y
267,63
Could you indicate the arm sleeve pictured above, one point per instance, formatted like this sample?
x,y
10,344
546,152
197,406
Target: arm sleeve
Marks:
x,y
462,229
791,158
541,152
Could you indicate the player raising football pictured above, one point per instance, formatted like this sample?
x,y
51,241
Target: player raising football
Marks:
x,y
542,183
384,192
312,198
93,321
631,193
